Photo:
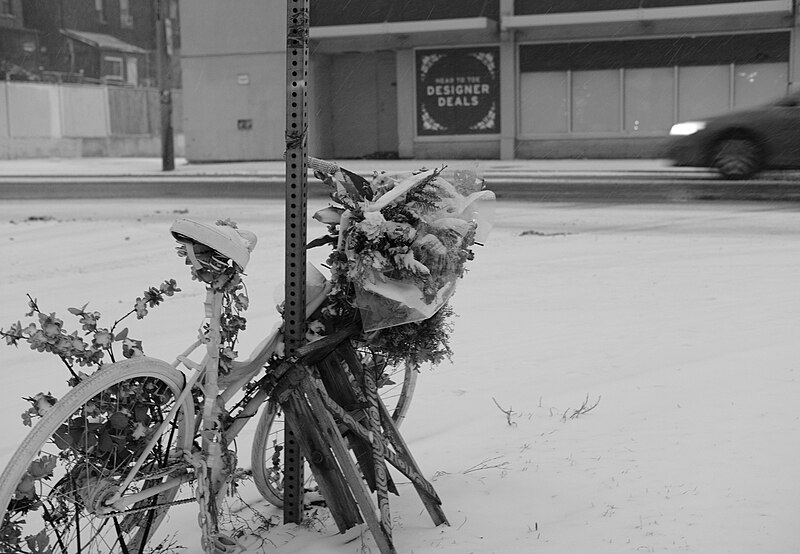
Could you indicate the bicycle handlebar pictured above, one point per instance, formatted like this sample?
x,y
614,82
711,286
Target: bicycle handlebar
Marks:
x,y
322,165
318,164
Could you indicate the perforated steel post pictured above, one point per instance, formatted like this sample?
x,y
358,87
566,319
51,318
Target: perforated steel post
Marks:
x,y
296,201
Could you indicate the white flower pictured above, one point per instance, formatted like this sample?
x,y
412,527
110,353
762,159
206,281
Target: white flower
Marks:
x,y
373,225
139,431
459,226
408,261
44,402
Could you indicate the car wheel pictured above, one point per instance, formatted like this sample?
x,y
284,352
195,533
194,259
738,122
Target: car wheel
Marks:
x,y
737,158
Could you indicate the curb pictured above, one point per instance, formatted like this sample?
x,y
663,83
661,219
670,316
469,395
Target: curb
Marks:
x,y
598,188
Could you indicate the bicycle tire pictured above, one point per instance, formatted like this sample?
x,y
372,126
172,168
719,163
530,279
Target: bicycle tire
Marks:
x,y
75,431
266,458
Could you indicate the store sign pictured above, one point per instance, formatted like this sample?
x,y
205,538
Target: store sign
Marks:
x,y
458,91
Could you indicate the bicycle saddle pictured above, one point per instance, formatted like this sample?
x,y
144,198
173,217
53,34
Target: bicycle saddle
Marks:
x,y
235,244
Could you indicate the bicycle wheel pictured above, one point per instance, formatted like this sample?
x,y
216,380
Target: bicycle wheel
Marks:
x,y
396,388
54,490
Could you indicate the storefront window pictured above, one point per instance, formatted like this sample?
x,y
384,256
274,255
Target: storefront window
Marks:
x,y
755,84
703,91
595,101
632,87
649,99
543,103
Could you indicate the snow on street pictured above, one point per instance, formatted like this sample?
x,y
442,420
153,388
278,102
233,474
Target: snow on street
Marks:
x,y
682,319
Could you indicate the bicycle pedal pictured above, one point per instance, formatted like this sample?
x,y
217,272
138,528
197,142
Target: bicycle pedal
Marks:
x,y
223,544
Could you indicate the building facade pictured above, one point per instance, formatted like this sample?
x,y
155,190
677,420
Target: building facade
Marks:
x,y
87,41
481,78
19,46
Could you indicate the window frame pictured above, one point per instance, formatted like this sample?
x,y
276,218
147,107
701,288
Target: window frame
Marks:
x,y
100,9
114,60
7,8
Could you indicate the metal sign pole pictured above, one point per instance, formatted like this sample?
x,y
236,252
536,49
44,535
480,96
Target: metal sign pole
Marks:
x,y
296,217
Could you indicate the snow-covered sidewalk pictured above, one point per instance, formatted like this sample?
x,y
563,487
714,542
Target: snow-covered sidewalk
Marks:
x,y
67,167
682,320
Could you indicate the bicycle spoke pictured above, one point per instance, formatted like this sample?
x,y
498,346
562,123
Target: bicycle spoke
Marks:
x,y
119,537
59,489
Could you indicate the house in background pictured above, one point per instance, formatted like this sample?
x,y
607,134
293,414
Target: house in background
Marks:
x,y
94,40
19,46
103,41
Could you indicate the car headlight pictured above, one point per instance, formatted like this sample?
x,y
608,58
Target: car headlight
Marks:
x,y
687,127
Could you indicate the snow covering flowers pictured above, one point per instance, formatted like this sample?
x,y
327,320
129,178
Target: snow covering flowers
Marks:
x,y
401,244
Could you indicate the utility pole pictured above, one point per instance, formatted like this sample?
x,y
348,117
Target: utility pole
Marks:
x,y
164,70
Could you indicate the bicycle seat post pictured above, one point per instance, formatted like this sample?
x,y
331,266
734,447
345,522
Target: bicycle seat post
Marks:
x,y
211,434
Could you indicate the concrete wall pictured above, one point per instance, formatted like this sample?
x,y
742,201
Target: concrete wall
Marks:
x,y
601,148
214,28
234,67
4,131
57,120
234,107
33,110
129,111
84,111
320,113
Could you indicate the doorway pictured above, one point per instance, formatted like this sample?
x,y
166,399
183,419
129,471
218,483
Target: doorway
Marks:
x,y
363,103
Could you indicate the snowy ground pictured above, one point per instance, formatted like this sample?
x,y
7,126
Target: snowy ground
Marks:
x,y
681,319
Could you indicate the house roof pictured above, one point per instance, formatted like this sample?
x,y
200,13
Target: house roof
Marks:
x,y
102,41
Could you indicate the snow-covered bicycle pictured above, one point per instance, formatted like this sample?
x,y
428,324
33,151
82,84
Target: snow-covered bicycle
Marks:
x,y
105,462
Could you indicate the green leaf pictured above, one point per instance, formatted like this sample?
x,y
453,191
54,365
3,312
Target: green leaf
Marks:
x,y
105,443
119,420
39,543
43,467
26,486
122,335
87,440
140,413
62,437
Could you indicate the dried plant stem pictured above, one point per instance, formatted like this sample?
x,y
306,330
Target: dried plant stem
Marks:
x,y
509,412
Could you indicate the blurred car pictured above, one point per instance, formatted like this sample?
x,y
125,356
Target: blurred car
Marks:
x,y
743,142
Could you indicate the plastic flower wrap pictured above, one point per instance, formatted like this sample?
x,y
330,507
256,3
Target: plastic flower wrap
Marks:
x,y
405,240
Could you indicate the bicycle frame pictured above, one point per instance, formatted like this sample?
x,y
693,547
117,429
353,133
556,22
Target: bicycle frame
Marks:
x,y
207,367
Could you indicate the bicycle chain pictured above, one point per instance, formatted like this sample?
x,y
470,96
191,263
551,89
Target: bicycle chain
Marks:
x,y
202,493
146,508
157,474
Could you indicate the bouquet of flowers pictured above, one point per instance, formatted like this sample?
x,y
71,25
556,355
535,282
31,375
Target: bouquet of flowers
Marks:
x,y
401,244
